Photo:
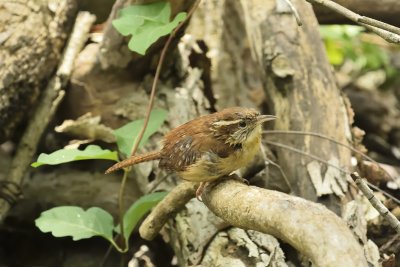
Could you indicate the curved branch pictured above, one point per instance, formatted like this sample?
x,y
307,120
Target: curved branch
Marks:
x,y
309,227
166,209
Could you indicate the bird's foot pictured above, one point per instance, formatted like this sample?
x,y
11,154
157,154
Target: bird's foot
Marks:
x,y
200,190
240,179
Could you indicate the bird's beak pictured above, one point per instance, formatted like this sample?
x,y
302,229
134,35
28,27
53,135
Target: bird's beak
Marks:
x,y
264,118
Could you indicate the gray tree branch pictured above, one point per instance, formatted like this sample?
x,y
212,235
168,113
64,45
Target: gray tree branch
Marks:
x,y
309,227
386,10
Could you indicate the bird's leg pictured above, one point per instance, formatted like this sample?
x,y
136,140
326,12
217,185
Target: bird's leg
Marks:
x,y
203,185
200,190
239,179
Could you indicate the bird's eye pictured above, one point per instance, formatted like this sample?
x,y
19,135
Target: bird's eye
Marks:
x,y
242,124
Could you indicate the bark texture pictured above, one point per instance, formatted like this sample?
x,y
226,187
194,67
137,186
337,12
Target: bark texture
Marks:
x,y
32,37
301,92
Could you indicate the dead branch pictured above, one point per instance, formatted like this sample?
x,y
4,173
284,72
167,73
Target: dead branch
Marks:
x,y
387,11
386,31
383,211
297,221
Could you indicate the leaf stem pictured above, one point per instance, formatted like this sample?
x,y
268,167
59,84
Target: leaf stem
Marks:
x,y
157,75
124,241
121,250
148,112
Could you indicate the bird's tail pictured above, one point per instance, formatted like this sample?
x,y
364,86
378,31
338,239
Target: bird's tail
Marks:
x,y
135,160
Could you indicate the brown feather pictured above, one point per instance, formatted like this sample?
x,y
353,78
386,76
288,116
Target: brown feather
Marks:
x,y
207,147
134,160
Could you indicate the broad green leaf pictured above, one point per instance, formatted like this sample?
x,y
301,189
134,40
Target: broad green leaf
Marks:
x,y
128,24
77,223
138,210
334,52
146,23
127,134
158,11
150,32
68,155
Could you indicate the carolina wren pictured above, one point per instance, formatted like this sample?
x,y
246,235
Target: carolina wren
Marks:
x,y
208,147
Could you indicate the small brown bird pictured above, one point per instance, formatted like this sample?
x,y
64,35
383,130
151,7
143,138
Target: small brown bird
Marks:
x,y
208,147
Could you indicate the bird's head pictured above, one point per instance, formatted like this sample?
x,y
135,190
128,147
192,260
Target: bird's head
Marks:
x,y
236,126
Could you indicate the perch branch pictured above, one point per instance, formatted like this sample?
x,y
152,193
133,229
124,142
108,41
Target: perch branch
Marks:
x,y
166,209
388,32
309,227
292,219
383,211
47,105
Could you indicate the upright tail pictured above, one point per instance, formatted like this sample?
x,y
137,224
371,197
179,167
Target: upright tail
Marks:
x,y
135,160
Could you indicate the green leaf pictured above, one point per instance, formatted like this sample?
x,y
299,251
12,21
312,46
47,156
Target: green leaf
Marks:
x,y
339,32
77,223
127,134
158,11
137,210
334,52
68,155
150,32
146,23
128,24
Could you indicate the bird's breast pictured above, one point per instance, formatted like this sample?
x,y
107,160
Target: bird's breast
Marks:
x,y
211,166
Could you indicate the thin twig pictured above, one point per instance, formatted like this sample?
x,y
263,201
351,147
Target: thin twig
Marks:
x,y
383,211
380,24
388,32
276,165
157,183
294,12
329,164
305,154
50,100
123,244
322,136
150,106
157,75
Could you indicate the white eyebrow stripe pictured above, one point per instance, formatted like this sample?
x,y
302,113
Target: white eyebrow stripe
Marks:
x,y
226,123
